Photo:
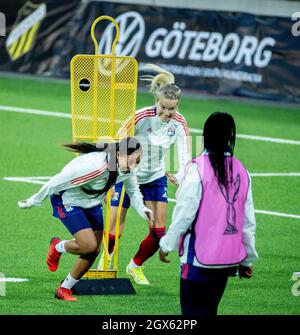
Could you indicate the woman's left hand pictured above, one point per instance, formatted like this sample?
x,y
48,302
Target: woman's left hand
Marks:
x,y
163,256
172,178
245,271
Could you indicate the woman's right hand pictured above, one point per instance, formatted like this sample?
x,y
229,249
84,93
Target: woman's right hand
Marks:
x,y
150,217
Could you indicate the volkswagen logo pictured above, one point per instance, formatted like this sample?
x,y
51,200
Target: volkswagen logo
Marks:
x,y
132,31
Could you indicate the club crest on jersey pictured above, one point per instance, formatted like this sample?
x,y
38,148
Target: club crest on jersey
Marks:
x,y
24,33
69,208
115,196
171,131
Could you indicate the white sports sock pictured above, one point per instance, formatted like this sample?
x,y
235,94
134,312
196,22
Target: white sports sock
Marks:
x,y
69,282
132,264
60,246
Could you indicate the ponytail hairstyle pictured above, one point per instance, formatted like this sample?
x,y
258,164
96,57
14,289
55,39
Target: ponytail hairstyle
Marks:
x,y
219,137
162,84
125,147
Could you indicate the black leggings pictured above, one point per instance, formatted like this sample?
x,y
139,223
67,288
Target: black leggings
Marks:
x,y
202,296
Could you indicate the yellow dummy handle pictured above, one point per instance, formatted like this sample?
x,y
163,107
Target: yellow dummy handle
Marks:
x,y
100,18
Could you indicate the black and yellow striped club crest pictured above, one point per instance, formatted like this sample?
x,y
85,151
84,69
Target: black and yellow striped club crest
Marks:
x,y
23,35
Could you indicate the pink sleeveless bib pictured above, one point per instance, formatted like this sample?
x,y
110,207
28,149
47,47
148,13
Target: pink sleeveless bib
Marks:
x,y
220,220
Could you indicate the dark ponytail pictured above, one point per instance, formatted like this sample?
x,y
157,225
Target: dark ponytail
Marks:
x,y
126,146
85,147
219,138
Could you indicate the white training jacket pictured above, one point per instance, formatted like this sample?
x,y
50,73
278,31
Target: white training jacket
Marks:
x,y
188,198
156,137
91,171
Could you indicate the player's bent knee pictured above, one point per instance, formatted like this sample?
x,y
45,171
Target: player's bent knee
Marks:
x,y
89,248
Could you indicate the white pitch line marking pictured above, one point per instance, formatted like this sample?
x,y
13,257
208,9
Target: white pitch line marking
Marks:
x,y
35,111
28,178
32,181
279,174
13,280
255,138
257,211
24,180
192,130
49,113
39,180
293,216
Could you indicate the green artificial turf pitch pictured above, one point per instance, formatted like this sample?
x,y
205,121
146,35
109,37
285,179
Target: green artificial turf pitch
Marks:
x,y
30,146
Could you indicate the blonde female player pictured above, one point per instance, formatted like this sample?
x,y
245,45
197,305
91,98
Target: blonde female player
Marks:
x,y
76,195
157,128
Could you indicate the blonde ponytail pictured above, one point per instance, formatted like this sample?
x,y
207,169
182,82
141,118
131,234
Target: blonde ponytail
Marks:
x,y
162,84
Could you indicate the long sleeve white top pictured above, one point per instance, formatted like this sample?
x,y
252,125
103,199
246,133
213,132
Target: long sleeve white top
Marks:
x,y
91,171
188,199
156,138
